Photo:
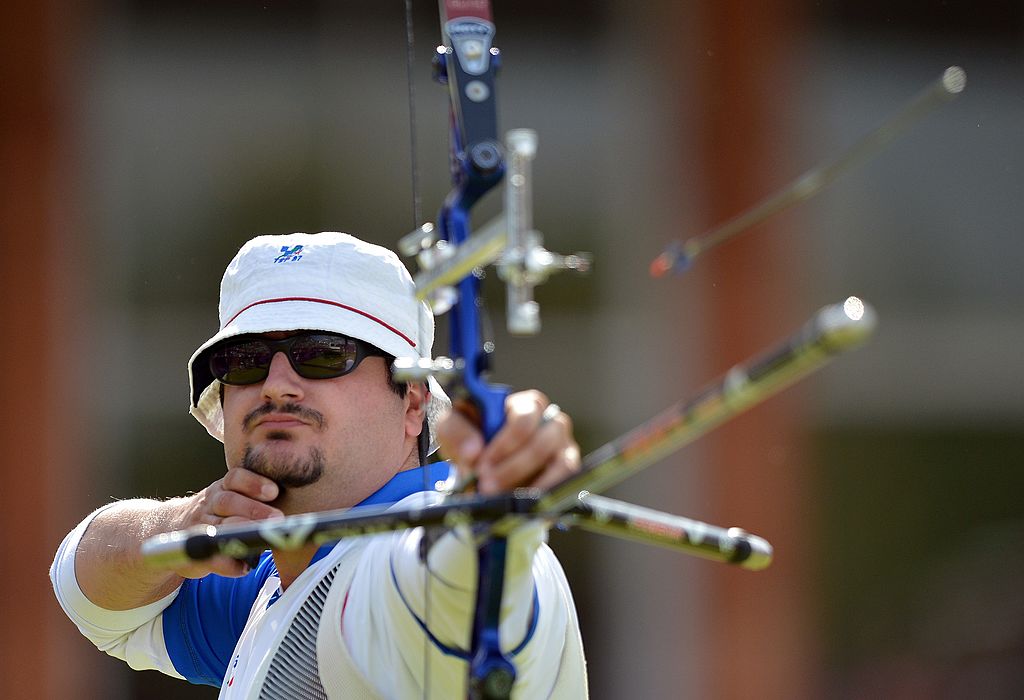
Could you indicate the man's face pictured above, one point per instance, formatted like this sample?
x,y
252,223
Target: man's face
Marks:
x,y
328,443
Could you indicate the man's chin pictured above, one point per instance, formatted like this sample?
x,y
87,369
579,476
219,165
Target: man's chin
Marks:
x,y
284,463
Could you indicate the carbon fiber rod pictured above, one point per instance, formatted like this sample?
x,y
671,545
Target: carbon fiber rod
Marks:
x,y
833,330
593,513
678,257
608,516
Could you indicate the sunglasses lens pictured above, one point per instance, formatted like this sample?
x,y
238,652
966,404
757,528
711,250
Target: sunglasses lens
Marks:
x,y
241,363
323,356
312,356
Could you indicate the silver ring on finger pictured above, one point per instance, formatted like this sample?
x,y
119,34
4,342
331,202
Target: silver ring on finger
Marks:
x,y
550,413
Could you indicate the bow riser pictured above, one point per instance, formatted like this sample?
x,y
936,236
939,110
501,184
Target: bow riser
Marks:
x,y
469,64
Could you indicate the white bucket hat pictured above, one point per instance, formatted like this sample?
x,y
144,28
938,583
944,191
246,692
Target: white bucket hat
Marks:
x,y
323,281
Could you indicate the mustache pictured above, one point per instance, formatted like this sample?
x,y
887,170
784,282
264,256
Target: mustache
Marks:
x,y
309,414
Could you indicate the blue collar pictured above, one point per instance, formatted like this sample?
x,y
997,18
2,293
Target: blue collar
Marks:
x,y
402,484
407,483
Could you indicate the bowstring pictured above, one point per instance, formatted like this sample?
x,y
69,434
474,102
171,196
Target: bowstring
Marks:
x,y
417,217
410,81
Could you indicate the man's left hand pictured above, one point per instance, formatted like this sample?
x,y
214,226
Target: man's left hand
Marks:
x,y
534,448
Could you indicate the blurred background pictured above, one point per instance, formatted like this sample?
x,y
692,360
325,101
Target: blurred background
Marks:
x,y
143,142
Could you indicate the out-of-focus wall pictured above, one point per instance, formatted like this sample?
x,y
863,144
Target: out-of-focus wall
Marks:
x,y
40,341
192,126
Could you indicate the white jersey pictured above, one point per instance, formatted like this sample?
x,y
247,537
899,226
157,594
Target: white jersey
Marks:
x,y
364,620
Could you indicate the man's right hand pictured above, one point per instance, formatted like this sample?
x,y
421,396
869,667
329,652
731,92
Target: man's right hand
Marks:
x,y
108,564
241,496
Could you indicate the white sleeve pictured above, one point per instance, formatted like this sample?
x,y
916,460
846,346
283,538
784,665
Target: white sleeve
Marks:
x,y
134,636
390,606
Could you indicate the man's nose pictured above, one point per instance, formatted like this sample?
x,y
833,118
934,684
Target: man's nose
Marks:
x,y
282,382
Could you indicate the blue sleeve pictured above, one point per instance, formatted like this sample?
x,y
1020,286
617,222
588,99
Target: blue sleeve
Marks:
x,y
203,624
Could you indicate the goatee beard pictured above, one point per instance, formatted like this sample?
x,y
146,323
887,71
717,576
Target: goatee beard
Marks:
x,y
287,473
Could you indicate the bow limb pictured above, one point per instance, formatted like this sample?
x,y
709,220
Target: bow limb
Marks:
x,y
449,258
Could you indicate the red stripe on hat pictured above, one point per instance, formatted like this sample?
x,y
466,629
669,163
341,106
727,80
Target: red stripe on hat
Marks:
x,y
353,309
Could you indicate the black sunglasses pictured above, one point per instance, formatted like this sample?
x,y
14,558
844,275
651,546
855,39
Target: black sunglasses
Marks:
x,y
313,355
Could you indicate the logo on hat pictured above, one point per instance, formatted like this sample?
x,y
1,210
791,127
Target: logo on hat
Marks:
x,y
293,254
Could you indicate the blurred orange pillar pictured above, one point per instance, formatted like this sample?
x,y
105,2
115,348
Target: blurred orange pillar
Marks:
x,y
38,658
760,633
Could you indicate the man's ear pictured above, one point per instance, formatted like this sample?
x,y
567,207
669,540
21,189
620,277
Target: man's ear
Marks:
x,y
416,398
